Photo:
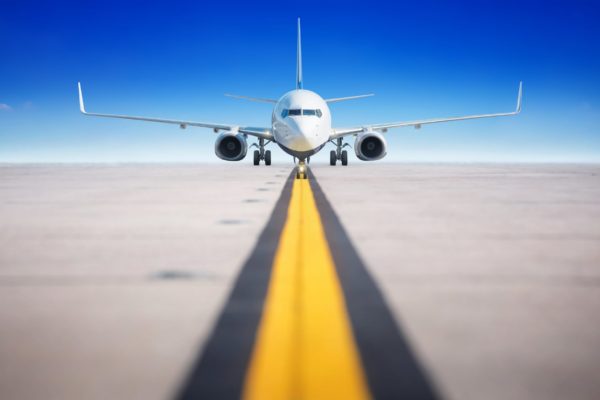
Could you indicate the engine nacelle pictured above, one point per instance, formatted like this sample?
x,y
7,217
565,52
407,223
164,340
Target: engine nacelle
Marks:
x,y
231,146
370,146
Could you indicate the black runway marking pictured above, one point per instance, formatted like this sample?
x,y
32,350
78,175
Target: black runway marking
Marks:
x,y
220,369
392,370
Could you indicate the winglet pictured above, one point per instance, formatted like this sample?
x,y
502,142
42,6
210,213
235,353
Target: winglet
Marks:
x,y
299,84
81,105
519,97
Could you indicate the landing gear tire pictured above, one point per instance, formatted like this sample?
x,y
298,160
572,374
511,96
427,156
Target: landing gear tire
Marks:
x,y
344,157
268,157
256,157
332,157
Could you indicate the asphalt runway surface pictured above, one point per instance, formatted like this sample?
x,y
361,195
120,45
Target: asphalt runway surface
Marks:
x,y
459,281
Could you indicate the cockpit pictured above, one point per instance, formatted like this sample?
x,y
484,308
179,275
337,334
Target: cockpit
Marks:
x,y
298,112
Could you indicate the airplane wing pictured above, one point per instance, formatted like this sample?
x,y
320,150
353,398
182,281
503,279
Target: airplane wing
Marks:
x,y
340,132
263,133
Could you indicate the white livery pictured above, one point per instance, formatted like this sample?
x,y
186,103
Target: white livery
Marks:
x,y
301,126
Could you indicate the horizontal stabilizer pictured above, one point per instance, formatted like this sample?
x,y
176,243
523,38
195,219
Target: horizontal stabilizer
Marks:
x,y
257,99
338,99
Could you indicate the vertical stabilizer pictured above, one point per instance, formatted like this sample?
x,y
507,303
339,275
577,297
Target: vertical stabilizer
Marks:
x,y
299,59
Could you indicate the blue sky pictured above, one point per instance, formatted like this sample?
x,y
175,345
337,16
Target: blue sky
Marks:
x,y
421,59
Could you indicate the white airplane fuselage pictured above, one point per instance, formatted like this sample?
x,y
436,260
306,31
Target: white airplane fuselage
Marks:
x,y
301,123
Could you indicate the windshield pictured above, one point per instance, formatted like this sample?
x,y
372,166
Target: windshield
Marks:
x,y
298,112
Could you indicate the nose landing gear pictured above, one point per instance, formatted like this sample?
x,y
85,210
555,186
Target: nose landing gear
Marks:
x,y
301,170
338,153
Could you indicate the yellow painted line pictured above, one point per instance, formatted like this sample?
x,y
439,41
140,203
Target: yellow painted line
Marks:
x,y
304,347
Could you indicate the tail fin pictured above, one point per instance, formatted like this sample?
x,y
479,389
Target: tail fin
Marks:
x,y
299,84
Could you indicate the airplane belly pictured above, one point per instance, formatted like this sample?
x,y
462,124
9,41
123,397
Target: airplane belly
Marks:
x,y
300,143
300,146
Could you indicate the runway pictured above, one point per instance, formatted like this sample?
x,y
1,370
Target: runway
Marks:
x,y
183,281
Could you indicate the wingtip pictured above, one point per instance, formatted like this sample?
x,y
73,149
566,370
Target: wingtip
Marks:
x,y
520,97
81,105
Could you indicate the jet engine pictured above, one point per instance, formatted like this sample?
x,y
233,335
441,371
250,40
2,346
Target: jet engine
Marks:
x,y
370,146
231,146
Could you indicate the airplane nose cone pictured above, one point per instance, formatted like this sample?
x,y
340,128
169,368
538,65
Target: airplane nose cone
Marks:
x,y
305,136
300,125
301,143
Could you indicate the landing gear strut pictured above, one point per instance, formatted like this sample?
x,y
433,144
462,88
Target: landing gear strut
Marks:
x,y
261,154
338,153
301,170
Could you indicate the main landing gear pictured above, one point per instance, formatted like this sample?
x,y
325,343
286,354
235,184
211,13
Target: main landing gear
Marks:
x,y
261,154
338,153
301,170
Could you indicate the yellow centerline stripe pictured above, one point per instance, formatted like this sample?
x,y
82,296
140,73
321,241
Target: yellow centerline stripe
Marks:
x,y
305,348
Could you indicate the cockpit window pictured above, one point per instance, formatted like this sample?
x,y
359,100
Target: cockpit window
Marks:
x,y
297,112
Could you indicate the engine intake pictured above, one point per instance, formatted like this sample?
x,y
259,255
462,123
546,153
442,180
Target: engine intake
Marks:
x,y
370,146
231,146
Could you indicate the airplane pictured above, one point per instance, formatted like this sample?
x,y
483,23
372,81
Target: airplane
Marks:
x,y
301,126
